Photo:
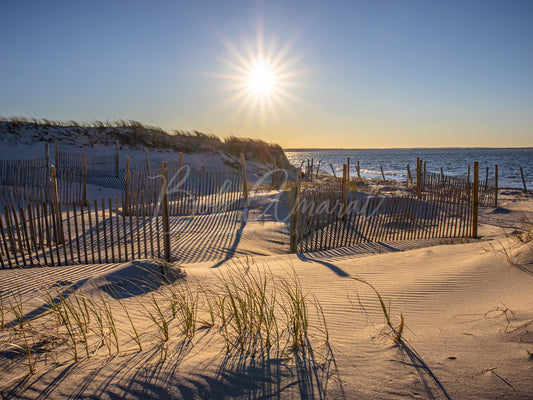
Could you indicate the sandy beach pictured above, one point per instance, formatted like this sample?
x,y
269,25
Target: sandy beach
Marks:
x,y
266,199
460,314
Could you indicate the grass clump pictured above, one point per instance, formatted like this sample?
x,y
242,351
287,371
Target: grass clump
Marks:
x,y
250,308
396,331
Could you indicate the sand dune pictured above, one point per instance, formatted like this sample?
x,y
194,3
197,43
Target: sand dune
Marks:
x,y
467,311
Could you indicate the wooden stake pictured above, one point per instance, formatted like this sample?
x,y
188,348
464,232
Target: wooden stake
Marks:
x,y
295,211
523,180
418,178
382,174
244,181
164,208
348,169
127,176
147,160
333,169
344,189
496,186
475,200
57,156
59,224
84,165
117,159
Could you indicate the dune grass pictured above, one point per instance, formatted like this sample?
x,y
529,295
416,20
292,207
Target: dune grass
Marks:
x,y
396,331
248,306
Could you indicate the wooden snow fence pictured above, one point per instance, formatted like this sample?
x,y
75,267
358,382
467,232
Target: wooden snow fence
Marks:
x,y
80,232
441,207
134,226
29,181
324,224
445,186
189,193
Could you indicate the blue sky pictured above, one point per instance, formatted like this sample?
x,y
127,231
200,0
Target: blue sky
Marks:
x,y
347,73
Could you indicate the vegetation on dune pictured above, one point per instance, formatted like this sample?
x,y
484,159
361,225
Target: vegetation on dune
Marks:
x,y
136,134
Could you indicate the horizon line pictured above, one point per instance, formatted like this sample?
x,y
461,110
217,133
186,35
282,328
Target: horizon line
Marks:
x,y
405,148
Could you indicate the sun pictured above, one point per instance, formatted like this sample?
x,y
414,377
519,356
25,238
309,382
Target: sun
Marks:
x,y
259,81
261,78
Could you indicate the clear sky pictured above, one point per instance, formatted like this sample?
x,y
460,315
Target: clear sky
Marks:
x,y
300,73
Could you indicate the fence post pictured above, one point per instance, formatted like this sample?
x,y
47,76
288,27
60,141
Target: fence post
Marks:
x,y
344,189
418,177
57,157
164,208
127,175
295,210
358,170
47,154
487,180
523,180
181,169
318,168
475,200
147,160
334,174
496,186
382,174
117,159
348,169
59,219
407,176
244,182
84,194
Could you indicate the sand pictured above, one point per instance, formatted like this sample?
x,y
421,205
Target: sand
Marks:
x,y
467,309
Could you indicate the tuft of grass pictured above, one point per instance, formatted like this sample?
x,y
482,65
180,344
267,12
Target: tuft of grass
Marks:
x,y
397,332
108,313
158,317
17,311
135,335
246,307
295,310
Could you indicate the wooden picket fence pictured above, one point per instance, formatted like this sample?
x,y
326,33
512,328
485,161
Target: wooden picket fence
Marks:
x,y
323,224
445,186
441,207
30,172
133,227
25,181
80,233
190,193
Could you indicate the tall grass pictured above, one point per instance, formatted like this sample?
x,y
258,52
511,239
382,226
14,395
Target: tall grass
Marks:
x,y
249,307
25,347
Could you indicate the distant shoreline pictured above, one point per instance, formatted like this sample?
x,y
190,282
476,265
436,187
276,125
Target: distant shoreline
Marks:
x,y
405,148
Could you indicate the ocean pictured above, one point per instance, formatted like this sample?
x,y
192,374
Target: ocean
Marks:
x,y
454,161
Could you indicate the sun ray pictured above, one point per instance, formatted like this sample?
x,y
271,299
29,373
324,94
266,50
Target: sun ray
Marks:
x,y
261,78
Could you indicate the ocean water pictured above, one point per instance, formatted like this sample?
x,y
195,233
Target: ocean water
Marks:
x,y
453,162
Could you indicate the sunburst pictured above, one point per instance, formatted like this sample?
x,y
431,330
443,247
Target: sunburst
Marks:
x,y
261,79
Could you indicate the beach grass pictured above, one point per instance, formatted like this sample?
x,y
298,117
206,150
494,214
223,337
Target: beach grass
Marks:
x,y
248,306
